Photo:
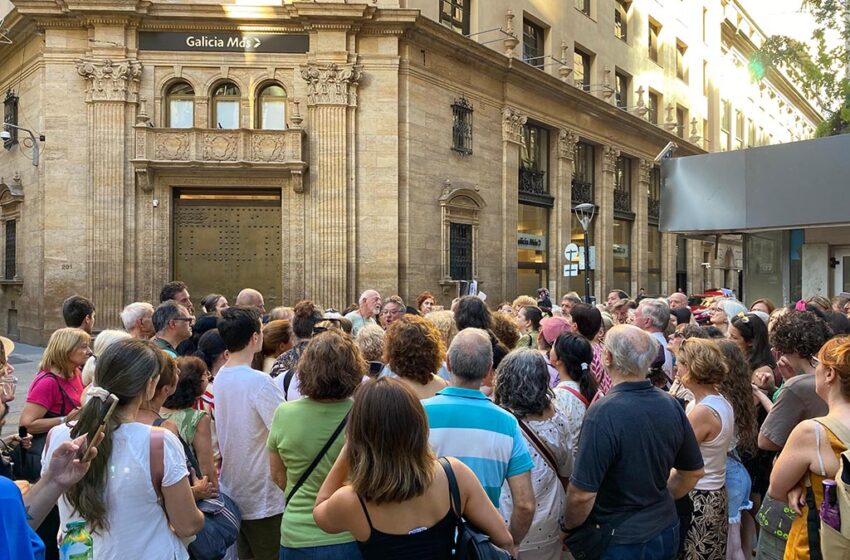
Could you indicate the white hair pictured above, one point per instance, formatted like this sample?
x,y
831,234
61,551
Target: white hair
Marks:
x,y
102,342
134,312
365,295
731,307
657,311
632,350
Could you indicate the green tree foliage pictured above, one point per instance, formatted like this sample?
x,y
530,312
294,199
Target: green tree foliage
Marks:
x,y
823,75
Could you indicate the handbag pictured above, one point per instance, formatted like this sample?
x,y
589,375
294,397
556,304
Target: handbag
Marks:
x,y
306,474
26,463
470,543
221,515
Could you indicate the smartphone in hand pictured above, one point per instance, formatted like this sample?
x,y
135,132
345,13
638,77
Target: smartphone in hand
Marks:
x,y
105,413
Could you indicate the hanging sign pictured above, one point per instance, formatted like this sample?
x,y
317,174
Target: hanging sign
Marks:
x,y
225,41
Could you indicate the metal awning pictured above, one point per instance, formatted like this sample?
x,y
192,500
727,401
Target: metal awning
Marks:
x,y
785,186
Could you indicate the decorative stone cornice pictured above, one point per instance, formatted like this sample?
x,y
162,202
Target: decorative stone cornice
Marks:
x,y
332,84
512,123
645,169
567,140
609,158
108,80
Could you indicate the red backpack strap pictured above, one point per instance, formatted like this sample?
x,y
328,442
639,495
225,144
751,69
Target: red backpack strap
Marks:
x,y
157,459
578,395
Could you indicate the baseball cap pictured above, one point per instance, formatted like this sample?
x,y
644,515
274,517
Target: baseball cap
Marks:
x,y
552,327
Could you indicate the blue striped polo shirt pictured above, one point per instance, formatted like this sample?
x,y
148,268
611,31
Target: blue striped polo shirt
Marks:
x,y
466,425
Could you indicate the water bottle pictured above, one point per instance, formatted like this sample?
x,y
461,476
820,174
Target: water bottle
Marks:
x,y
77,542
829,512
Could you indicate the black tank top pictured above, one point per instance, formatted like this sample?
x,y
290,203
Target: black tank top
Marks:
x,y
433,543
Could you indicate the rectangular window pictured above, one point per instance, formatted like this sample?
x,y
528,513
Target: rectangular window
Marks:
x,y
623,185
739,130
654,197
654,32
622,254
460,251
10,115
705,78
11,254
751,134
583,6
581,69
621,89
532,248
532,44
621,14
653,107
462,126
534,152
583,173
681,121
681,66
454,14
725,125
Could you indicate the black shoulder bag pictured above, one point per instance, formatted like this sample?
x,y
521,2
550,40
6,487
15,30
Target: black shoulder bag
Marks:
x,y
470,543
27,462
303,478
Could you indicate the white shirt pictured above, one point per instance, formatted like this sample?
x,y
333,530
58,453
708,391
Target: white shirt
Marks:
x,y
245,402
573,409
714,451
137,522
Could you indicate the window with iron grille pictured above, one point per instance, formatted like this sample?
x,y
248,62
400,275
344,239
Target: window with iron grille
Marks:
x,y
462,126
10,115
621,89
582,184
532,44
11,249
454,14
534,149
581,69
623,185
460,251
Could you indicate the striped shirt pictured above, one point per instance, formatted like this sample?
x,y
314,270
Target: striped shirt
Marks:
x,y
466,425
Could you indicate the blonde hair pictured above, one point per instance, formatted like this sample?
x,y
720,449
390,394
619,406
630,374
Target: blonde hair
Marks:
x,y
101,342
705,361
62,342
522,301
445,323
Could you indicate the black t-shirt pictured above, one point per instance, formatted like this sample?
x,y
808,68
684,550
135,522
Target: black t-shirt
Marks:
x,y
629,441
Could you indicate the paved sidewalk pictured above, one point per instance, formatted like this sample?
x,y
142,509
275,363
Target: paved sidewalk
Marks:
x,y
25,360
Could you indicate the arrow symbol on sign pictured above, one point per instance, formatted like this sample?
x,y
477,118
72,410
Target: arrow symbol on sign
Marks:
x,y
257,43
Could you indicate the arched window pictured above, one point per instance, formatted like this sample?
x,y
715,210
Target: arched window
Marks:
x,y
271,107
180,101
225,106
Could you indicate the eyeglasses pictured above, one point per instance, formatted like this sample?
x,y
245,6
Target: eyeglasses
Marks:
x,y
190,319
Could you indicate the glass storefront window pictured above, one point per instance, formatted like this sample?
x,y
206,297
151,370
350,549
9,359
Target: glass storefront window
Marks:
x,y
622,256
532,231
763,265
653,262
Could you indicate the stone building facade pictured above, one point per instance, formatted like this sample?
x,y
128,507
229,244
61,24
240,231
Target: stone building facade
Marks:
x,y
315,150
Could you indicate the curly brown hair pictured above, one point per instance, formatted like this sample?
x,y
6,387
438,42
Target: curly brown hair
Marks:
x,y
505,328
414,349
802,332
737,388
704,360
331,366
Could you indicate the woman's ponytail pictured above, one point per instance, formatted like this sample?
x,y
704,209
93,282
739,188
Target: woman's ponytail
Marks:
x,y
577,355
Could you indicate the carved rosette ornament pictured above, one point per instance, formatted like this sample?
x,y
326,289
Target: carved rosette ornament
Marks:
x,y
512,123
108,80
332,84
609,158
567,140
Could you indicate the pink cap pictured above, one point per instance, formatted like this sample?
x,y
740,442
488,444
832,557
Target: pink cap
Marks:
x,y
552,327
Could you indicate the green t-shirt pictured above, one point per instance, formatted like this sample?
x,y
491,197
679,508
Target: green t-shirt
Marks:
x,y
299,431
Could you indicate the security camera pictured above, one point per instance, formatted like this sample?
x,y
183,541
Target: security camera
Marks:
x,y
667,152
5,135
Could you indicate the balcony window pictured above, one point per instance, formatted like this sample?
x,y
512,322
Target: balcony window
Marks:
x,y
454,14
681,67
621,25
534,152
460,251
583,173
623,185
226,100
654,195
532,44
681,122
180,100
11,255
462,126
654,32
653,106
621,89
583,6
581,69
272,106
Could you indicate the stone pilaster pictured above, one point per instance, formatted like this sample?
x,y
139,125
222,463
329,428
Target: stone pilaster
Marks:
x,y
331,100
668,263
512,123
561,219
111,87
640,233
604,238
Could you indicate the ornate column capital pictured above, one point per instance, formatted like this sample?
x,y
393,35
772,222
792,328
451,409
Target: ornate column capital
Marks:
x,y
332,84
644,170
567,140
609,158
108,80
512,123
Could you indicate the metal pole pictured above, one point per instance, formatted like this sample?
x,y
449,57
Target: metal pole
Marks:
x,y
586,268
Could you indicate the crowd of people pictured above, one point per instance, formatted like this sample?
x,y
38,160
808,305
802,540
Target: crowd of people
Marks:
x,y
621,430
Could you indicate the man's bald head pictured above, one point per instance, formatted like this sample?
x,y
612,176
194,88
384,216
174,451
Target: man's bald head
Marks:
x,y
677,300
631,349
251,298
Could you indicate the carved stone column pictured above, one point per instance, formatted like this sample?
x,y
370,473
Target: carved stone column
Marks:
x,y
331,98
111,87
640,264
561,223
668,263
604,238
512,123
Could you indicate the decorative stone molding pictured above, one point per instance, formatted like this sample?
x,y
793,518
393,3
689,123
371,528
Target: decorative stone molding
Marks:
x,y
459,205
143,179
108,80
564,71
644,170
171,145
609,158
567,140
332,84
220,147
510,42
512,123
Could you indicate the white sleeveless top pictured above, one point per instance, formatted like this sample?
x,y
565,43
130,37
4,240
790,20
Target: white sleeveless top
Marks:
x,y
714,451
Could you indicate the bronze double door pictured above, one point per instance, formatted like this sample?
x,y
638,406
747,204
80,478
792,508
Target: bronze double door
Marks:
x,y
227,240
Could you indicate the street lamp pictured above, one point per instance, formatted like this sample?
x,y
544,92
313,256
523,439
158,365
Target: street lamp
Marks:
x,y
4,135
584,213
